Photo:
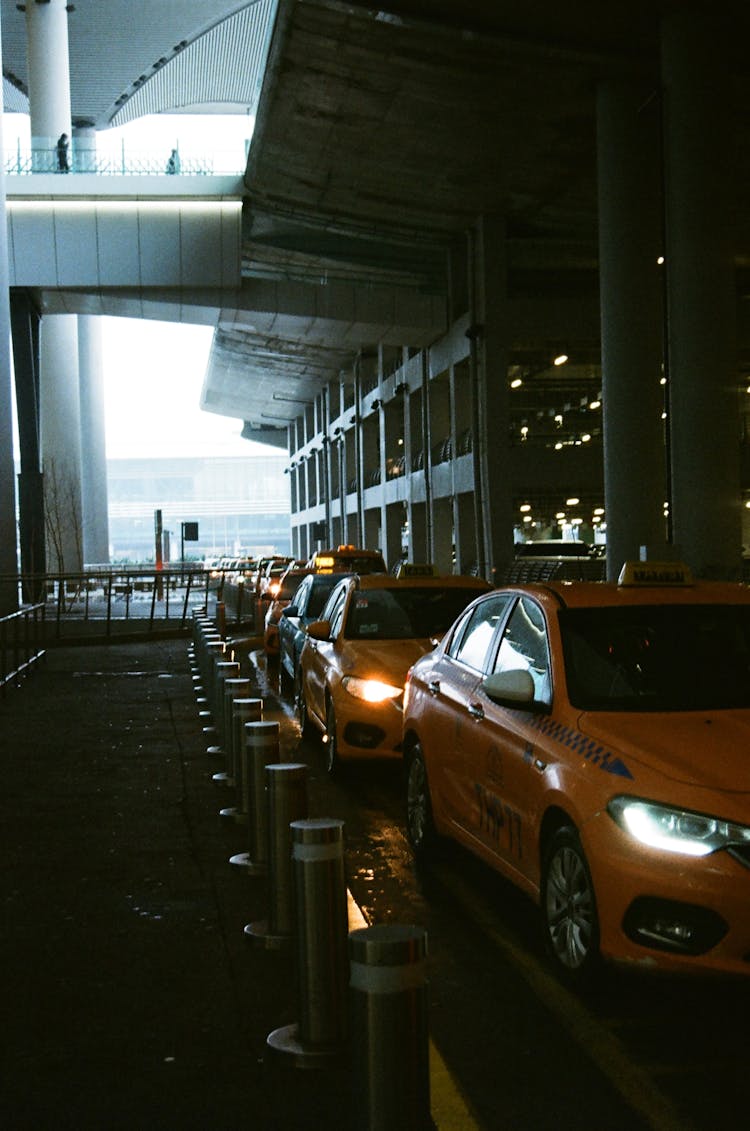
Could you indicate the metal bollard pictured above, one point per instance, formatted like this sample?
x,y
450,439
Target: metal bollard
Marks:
x,y
321,944
389,1035
233,689
261,748
223,669
243,711
286,801
211,649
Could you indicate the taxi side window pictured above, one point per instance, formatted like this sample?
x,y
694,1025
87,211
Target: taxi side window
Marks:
x,y
471,643
336,613
524,646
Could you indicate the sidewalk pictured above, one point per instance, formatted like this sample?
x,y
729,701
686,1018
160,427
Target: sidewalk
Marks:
x,y
131,997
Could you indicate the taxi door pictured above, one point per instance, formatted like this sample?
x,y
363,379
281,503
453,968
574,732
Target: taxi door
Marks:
x,y
502,770
451,685
320,657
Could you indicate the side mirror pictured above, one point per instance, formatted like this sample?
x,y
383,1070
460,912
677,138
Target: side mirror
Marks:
x,y
513,688
319,630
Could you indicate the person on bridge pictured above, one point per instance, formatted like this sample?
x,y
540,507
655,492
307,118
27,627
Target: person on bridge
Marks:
x,y
62,154
173,165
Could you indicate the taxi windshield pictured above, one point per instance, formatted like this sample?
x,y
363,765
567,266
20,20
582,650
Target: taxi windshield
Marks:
x,y
677,657
402,614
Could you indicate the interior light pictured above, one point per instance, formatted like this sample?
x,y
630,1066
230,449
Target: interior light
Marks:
x,y
527,518
747,504
663,381
664,416
595,404
558,419
586,437
516,383
660,260
598,510
558,446
560,515
572,501
561,359
525,508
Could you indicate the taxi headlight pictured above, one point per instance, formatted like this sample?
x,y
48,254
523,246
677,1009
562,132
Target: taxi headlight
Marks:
x,y
370,690
675,830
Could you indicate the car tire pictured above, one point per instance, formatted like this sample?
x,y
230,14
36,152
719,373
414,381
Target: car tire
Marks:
x,y
568,900
420,826
333,762
300,707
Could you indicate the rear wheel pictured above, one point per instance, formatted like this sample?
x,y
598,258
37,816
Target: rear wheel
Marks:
x,y
571,922
420,827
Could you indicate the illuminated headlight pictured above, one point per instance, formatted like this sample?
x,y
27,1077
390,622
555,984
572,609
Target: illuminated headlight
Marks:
x,y
370,690
675,830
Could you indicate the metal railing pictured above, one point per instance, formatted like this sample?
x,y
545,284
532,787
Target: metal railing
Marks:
x,y
21,642
116,601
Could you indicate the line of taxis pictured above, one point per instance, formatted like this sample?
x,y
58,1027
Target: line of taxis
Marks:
x,y
588,740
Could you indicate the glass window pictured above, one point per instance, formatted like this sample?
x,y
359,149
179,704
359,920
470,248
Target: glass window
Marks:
x,y
405,612
470,646
658,657
524,647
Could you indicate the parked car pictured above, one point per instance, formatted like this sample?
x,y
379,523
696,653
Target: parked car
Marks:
x,y
307,606
283,593
355,658
597,759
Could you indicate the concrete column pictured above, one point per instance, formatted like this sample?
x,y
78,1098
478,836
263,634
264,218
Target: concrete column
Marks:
x,y
442,534
49,78
631,281
702,360
493,493
61,447
8,538
93,443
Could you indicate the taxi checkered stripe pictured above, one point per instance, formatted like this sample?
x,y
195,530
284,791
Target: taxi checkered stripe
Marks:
x,y
588,748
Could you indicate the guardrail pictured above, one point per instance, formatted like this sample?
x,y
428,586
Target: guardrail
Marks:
x,y
21,640
116,601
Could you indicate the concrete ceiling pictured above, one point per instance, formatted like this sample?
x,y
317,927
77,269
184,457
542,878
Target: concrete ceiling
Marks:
x,y
382,133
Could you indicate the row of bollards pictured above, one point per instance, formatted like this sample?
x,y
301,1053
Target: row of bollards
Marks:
x,y
361,994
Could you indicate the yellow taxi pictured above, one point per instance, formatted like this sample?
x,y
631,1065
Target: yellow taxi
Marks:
x,y
590,741
355,658
347,559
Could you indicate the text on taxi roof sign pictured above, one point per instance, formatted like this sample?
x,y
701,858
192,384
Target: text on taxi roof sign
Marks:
x,y
655,573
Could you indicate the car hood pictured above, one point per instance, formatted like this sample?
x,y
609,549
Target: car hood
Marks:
x,y
710,749
383,659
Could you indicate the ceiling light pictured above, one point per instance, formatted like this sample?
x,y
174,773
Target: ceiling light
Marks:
x,y
560,359
516,383
525,508
558,445
594,405
572,502
585,437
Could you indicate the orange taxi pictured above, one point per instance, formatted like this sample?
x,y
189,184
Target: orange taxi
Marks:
x,y
589,741
355,658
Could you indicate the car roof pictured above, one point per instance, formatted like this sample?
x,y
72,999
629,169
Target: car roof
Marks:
x,y
600,594
451,581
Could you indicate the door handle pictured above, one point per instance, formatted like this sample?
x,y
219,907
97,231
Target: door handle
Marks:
x,y
476,710
434,687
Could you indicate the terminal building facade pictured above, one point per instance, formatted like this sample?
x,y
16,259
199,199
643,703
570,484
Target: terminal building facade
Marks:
x,y
479,264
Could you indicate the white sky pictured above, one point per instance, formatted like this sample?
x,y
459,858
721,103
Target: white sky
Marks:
x,y
153,371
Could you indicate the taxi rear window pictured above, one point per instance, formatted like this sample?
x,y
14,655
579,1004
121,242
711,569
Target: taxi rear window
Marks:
x,y
402,614
658,657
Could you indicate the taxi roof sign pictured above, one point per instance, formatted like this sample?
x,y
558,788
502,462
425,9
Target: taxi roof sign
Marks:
x,y
654,573
416,569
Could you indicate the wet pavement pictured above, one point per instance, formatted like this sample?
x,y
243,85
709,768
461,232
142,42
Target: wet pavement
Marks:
x,y
131,995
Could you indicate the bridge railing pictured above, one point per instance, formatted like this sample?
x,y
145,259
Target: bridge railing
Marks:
x,y
127,162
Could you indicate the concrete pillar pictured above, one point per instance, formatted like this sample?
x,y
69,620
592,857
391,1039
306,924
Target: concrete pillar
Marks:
x,y
442,534
631,281
489,355
8,539
701,316
61,446
49,78
93,443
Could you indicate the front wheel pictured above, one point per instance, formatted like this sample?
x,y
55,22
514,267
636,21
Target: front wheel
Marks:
x,y
571,922
420,827
300,704
333,762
